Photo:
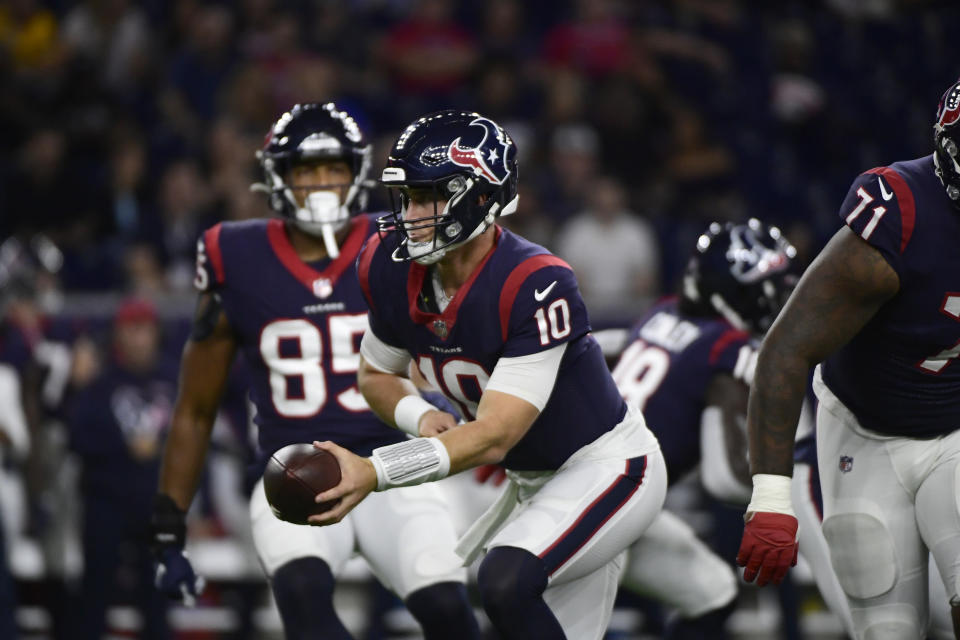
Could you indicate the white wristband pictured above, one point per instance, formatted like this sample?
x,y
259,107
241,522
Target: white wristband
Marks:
x,y
410,462
771,494
408,412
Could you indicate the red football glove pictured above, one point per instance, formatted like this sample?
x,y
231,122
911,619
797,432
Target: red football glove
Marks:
x,y
490,472
768,548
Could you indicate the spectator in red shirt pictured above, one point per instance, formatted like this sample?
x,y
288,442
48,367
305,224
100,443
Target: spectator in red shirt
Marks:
x,y
596,42
429,53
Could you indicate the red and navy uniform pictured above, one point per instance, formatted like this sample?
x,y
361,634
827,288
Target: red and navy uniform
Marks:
x,y
21,345
41,355
520,300
666,369
898,375
299,327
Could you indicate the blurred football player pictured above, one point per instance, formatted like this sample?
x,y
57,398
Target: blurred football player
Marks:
x,y
44,356
498,325
14,446
688,365
879,310
15,441
284,292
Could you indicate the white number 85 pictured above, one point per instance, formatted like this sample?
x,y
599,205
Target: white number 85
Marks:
x,y
307,363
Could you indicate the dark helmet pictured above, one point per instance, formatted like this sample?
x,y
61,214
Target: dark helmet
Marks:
x,y
946,154
741,272
465,159
307,133
23,265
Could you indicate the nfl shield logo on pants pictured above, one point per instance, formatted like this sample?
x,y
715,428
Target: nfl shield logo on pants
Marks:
x,y
846,464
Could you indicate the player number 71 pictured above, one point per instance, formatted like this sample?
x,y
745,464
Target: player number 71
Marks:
x,y
878,211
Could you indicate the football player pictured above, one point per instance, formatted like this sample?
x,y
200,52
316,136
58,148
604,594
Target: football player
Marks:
x,y
498,325
14,433
284,292
45,356
879,310
688,365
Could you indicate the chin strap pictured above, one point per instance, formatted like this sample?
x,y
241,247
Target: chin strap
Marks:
x,y
435,255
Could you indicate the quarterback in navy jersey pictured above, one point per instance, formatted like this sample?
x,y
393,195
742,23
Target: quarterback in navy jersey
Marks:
x,y
879,310
284,292
498,325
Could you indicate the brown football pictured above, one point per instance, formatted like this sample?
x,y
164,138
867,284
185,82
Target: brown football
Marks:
x,y
294,476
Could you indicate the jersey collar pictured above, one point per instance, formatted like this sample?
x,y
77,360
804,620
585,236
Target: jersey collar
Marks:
x,y
441,324
321,283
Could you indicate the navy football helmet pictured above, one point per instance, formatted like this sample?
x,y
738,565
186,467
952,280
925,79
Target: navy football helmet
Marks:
x,y
27,268
741,272
308,133
464,159
946,133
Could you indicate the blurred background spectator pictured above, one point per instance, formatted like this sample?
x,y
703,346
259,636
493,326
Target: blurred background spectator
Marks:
x,y
134,123
126,128
117,428
613,251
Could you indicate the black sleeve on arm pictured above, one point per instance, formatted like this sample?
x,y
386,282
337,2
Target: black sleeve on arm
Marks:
x,y
206,316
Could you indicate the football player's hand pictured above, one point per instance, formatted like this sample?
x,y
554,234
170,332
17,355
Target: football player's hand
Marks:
x,y
357,479
433,423
176,578
492,473
768,548
174,574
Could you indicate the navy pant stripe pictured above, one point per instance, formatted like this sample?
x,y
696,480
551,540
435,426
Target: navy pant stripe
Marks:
x,y
595,515
813,486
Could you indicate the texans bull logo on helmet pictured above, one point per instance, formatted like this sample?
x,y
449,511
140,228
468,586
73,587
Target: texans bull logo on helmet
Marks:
x,y
949,111
496,172
752,260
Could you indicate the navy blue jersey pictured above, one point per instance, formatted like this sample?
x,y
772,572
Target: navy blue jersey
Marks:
x,y
898,374
666,369
520,300
46,349
299,328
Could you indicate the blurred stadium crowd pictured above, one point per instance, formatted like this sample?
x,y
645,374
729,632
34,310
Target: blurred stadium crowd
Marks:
x,y
127,128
